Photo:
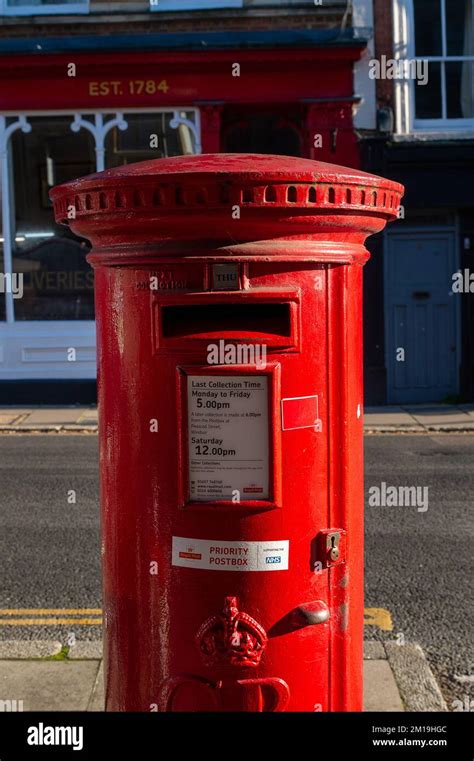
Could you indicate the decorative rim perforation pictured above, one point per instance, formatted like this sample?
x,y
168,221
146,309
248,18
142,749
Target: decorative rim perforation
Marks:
x,y
171,197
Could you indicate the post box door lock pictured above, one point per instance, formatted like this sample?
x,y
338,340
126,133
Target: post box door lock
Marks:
x,y
332,547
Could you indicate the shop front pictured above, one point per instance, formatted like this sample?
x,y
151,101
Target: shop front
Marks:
x,y
73,112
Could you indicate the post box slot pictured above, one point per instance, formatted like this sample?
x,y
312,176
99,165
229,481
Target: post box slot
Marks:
x,y
227,320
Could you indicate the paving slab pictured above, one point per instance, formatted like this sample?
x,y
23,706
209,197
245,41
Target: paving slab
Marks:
x,y
90,417
468,409
440,416
380,688
15,649
48,685
52,416
387,416
374,650
416,683
8,417
392,408
97,698
86,650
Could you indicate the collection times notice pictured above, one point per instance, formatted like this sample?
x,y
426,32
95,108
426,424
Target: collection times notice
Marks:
x,y
228,437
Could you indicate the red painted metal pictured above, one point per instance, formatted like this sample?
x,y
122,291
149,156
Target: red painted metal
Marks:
x,y
190,631
119,80
232,637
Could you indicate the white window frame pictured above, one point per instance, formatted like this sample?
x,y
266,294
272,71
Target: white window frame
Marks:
x,y
193,5
43,9
365,116
404,49
38,348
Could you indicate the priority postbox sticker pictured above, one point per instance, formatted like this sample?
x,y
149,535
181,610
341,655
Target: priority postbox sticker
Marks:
x,y
230,556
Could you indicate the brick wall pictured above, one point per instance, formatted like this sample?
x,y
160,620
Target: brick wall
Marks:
x,y
123,16
383,25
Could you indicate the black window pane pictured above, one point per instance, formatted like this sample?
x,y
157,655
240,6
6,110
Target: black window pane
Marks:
x,y
428,39
428,103
459,27
148,136
459,86
57,281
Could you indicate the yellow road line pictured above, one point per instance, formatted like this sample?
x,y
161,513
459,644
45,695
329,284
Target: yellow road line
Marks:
x,y
50,611
48,621
378,617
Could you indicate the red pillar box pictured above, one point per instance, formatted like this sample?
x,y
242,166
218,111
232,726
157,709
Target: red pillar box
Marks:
x,y
228,296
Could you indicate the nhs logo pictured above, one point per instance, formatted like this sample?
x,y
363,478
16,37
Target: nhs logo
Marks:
x,y
273,559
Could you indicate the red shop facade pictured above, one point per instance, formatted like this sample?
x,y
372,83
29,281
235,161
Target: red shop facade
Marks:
x,y
66,114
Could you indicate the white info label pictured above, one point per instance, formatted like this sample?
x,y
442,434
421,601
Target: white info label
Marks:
x,y
230,556
228,437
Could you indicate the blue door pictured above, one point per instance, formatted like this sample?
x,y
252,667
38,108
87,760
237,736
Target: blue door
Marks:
x,y
420,317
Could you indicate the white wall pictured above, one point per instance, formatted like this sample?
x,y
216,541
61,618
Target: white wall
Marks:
x,y
365,118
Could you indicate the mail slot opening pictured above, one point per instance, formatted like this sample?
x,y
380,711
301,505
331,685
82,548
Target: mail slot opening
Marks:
x,y
245,321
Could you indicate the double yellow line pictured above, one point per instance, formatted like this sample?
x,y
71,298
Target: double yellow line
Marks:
x,y
50,616
379,617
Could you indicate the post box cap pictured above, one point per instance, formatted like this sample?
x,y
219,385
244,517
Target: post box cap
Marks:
x,y
194,181
251,166
188,196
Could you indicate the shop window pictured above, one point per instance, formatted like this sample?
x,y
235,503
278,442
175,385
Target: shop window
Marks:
x,y
150,136
48,259
57,281
40,7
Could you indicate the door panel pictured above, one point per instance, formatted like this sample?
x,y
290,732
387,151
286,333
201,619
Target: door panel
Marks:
x,y
420,317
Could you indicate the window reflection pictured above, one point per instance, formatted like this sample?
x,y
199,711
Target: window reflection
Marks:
x,y
57,281
148,136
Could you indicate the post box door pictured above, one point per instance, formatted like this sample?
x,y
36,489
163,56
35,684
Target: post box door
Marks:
x,y
250,490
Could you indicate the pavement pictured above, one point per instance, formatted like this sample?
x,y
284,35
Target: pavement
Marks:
x,y
46,676
420,418
51,557
411,418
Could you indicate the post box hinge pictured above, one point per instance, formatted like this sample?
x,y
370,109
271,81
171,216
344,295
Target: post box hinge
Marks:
x,y
331,547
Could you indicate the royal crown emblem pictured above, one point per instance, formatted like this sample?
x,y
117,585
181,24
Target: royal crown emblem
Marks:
x,y
231,637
